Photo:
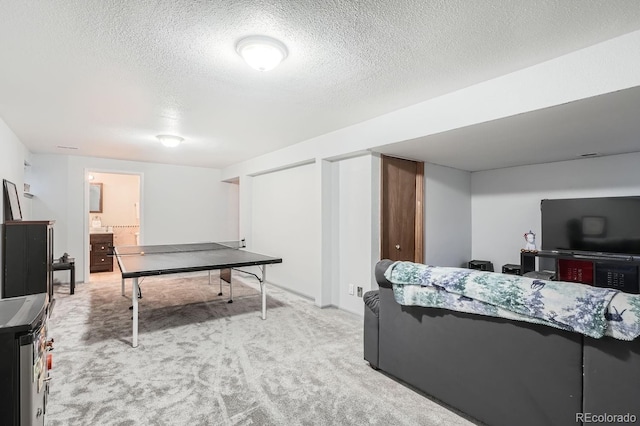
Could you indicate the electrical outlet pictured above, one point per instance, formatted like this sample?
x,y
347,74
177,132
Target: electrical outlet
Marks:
x,y
351,289
359,291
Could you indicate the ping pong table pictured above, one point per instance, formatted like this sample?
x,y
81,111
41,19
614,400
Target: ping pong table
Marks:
x,y
146,261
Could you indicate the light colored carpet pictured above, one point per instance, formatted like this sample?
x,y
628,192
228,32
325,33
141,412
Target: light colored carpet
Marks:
x,y
203,361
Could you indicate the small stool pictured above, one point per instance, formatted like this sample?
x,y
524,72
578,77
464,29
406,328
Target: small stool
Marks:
x,y
69,265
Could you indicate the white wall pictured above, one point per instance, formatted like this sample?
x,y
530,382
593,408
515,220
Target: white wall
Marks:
x,y
179,204
13,154
447,216
506,202
51,198
12,157
285,223
358,229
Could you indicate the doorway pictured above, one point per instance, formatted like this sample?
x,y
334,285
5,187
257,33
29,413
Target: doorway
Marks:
x,y
113,216
401,200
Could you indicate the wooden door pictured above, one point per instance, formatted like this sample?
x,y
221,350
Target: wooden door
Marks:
x,y
401,209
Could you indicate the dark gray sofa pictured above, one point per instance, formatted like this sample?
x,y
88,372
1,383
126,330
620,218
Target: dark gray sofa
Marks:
x,y
498,371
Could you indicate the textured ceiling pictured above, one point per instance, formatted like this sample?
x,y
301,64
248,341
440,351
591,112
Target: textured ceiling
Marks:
x,y
105,76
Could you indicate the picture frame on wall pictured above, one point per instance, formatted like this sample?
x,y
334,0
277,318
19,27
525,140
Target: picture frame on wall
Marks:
x,y
12,210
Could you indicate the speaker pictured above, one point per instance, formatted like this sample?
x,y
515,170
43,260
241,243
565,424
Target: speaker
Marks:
x,y
483,265
511,269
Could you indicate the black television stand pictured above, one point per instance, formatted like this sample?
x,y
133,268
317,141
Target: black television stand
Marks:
x,y
619,271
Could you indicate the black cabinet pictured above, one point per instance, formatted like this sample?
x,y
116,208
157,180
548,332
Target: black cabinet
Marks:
x,y
601,270
27,258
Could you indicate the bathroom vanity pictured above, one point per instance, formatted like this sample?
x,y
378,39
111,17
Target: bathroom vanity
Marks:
x,y
100,252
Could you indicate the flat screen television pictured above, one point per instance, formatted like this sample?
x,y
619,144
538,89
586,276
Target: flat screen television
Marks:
x,y
608,225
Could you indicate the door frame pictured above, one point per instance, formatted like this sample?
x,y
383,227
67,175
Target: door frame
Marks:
x,y
86,224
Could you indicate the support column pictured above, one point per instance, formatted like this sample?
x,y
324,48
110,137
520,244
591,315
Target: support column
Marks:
x,y
245,210
327,179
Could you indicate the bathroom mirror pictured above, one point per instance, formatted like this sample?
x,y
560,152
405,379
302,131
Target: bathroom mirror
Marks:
x,y
95,198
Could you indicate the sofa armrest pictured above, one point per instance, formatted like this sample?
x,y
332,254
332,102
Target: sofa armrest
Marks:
x,y
381,268
371,326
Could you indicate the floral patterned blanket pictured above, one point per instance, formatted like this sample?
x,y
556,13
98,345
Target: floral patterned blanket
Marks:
x,y
592,311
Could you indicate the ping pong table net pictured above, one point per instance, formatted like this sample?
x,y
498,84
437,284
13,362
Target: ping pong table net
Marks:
x,y
179,248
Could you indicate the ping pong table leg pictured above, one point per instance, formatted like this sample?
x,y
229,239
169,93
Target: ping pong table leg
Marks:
x,y
123,286
219,282
263,291
134,299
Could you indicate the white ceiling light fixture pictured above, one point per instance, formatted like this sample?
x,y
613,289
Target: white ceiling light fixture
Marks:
x,y
170,140
261,52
